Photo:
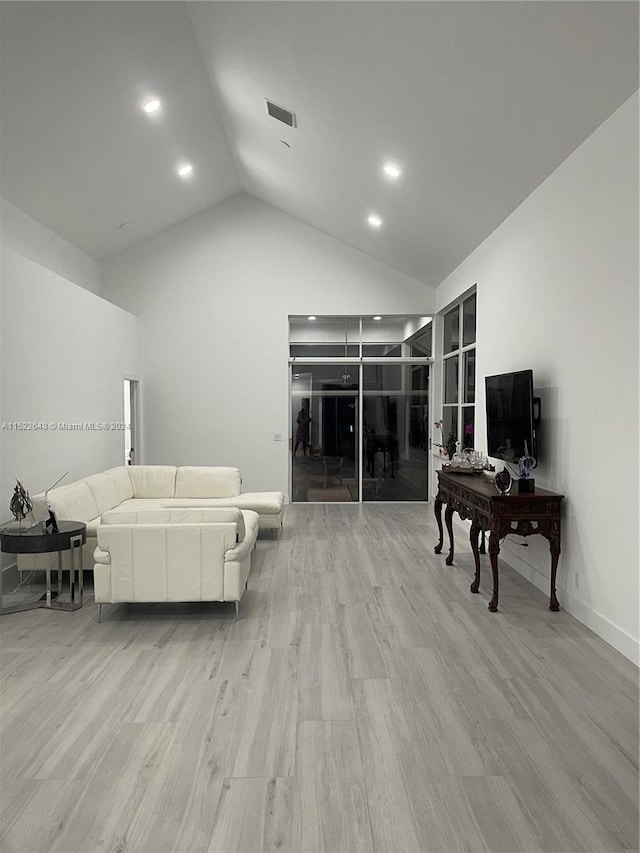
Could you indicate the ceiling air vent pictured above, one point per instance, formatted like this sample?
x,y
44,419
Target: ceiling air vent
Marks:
x,y
285,116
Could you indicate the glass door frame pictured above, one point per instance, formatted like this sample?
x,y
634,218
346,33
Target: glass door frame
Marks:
x,y
360,361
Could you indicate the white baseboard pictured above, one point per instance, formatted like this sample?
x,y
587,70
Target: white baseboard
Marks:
x,y
596,622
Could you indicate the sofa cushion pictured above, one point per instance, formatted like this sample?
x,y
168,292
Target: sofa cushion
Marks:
x,y
75,502
122,482
264,503
153,481
189,515
137,504
201,482
104,491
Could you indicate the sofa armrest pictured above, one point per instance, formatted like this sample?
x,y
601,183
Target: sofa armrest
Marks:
x,y
101,557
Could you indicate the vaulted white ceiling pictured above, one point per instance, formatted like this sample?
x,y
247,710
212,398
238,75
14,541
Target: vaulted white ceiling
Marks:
x,y
478,102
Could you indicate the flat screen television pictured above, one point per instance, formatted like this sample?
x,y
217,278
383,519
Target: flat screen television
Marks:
x,y
510,415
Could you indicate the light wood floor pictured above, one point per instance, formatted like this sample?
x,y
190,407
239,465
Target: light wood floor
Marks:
x,y
364,701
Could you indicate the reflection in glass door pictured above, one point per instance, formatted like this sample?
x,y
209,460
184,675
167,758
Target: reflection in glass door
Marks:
x,y
324,432
395,421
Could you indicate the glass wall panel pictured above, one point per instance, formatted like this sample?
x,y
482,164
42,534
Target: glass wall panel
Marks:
x,y
451,379
324,430
324,330
449,424
452,330
324,350
328,451
422,344
469,389
469,320
379,376
381,350
395,418
468,434
384,329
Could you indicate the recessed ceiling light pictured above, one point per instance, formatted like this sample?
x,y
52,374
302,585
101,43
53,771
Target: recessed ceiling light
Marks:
x,y
392,170
377,317
312,317
374,220
151,105
184,170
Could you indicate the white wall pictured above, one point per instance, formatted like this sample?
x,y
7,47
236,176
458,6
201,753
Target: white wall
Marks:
x,y
30,239
213,295
63,353
558,293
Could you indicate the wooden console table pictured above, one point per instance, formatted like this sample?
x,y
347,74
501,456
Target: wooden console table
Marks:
x,y
475,497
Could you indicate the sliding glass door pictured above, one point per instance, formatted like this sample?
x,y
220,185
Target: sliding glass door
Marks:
x,y
395,427
359,408
325,432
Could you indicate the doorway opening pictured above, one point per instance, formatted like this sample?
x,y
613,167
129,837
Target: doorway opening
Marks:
x,y
131,418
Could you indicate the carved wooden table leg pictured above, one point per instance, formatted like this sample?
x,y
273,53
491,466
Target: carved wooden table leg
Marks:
x,y
437,508
448,516
483,550
473,538
494,550
555,553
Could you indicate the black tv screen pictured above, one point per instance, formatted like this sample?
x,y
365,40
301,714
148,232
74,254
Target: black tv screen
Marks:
x,y
510,421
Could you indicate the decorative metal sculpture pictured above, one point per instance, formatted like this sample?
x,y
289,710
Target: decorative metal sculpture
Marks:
x,y
526,464
51,522
20,503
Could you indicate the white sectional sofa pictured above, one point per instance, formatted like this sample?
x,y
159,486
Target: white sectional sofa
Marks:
x,y
165,555
143,487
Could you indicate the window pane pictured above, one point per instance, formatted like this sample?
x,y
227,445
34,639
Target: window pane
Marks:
x,y
468,419
323,350
449,425
379,377
452,330
381,350
469,320
451,379
419,377
324,330
469,376
422,345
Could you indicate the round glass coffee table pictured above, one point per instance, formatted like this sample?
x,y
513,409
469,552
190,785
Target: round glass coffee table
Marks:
x,y
71,536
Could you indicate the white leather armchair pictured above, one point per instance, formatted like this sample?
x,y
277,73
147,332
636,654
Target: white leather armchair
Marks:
x,y
169,555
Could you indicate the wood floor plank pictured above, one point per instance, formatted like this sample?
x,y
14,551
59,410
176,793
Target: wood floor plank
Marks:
x,y
404,806
485,815
558,806
364,637
43,815
444,737
330,807
264,739
324,690
254,815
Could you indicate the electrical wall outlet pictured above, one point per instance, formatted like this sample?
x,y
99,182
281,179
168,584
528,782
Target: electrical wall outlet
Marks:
x,y
277,436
